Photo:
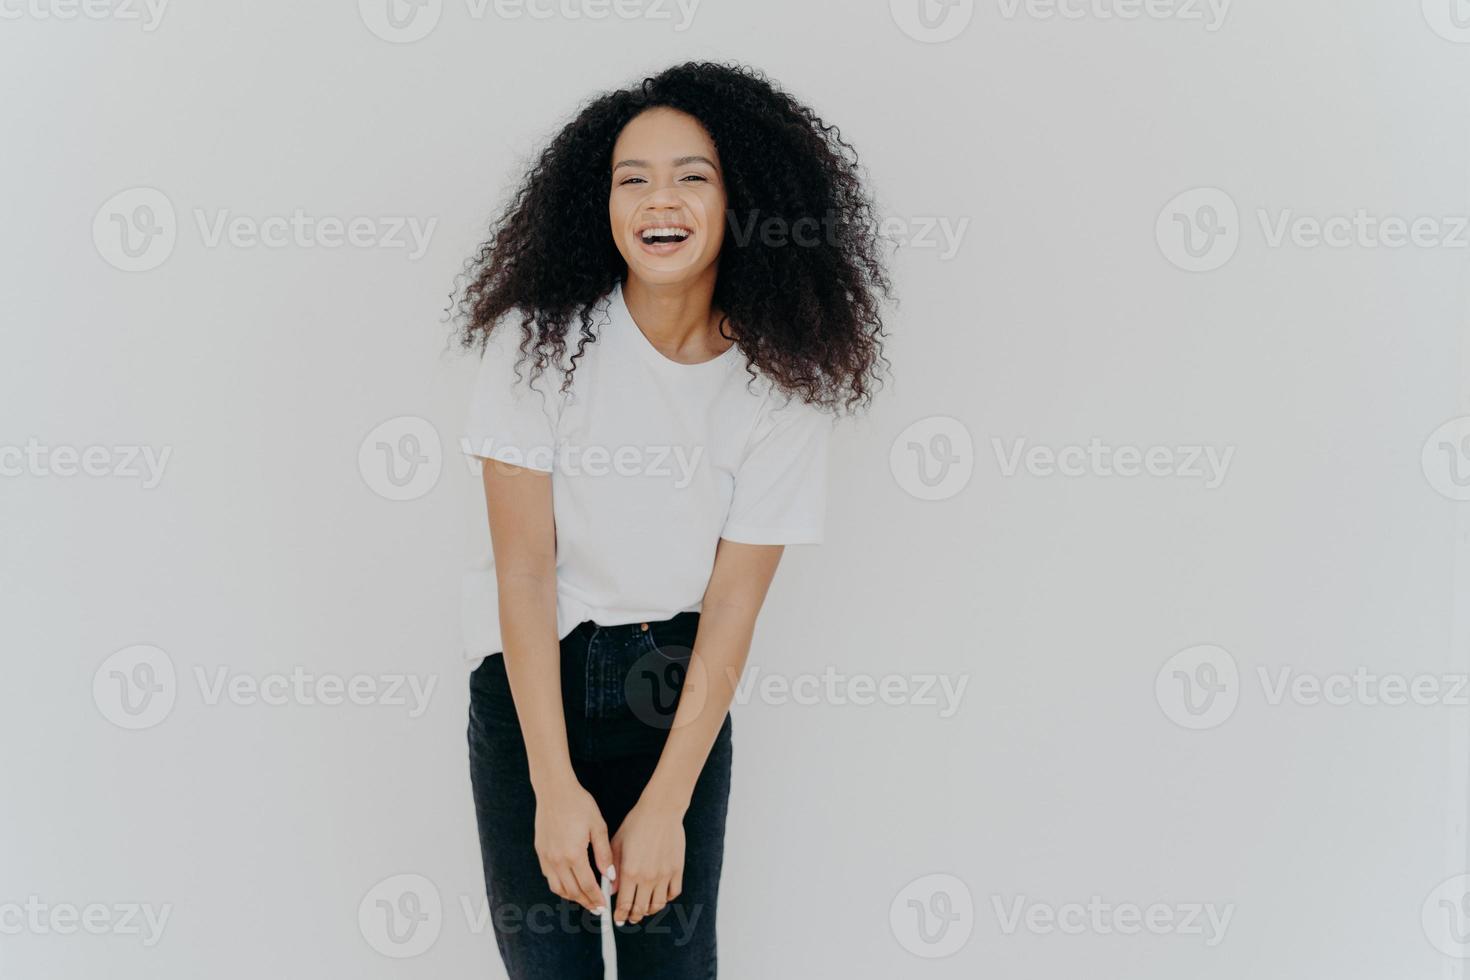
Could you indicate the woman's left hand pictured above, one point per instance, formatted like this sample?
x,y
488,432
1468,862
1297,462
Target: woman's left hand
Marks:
x,y
648,853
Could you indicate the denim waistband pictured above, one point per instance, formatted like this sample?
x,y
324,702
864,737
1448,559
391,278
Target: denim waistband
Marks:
x,y
677,625
609,672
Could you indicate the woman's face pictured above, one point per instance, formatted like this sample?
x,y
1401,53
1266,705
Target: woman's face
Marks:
x,y
667,200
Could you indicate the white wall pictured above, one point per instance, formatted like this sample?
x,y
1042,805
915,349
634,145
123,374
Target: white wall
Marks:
x,y
1054,147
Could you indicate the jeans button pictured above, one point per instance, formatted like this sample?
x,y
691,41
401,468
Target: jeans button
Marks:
x,y
643,626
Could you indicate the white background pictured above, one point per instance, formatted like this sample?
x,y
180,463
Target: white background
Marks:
x,y
1063,316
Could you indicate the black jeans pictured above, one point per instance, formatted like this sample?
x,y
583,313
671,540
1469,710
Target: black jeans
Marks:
x,y
620,685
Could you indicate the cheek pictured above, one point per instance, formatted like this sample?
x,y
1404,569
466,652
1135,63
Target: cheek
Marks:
x,y
617,209
711,207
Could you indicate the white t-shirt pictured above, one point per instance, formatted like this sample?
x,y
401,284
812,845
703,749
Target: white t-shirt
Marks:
x,y
651,461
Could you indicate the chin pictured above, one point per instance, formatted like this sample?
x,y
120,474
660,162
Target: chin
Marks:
x,y
669,270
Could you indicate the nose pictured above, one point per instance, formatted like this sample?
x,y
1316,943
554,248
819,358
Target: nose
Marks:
x,y
663,208
663,196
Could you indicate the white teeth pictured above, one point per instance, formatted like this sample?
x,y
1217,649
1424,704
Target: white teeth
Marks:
x,y
664,231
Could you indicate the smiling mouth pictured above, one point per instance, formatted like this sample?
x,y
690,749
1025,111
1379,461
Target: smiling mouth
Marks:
x,y
664,235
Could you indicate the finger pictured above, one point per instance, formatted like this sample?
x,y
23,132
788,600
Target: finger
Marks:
x,y
617,862
563,887
589,894
640,902
602,851
549,874
625,901
659,899
676,886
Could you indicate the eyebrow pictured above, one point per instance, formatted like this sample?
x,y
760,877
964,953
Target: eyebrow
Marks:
x,y
680,162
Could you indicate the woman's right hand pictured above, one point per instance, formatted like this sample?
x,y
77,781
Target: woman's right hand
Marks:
x,y
567,821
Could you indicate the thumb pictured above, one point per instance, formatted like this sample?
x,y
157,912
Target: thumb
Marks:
x,y
602,853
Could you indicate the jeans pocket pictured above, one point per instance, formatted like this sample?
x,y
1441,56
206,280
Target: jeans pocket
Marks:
x,y
654,680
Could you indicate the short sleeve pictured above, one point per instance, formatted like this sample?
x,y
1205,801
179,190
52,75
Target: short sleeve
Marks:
x,y
780,492
509,419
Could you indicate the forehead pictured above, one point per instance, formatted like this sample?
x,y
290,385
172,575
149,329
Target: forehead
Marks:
x,y
663,134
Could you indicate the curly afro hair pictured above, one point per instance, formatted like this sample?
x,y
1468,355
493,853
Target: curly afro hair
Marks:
x,y
803,308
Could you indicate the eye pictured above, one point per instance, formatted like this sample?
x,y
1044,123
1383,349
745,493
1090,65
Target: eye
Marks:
x,y
693,177
629,180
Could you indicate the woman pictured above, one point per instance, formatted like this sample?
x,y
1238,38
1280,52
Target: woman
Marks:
x,y
709,237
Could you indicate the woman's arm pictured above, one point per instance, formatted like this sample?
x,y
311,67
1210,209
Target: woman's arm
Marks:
x,y
523,538
649,846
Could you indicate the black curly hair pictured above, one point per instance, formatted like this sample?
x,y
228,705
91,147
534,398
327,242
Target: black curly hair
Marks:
x,y
803,308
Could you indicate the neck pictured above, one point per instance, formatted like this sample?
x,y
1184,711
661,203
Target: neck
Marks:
x,y
678,319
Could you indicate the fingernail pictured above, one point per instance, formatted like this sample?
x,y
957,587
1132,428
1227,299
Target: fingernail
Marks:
x,y
612,873
619,921
599,910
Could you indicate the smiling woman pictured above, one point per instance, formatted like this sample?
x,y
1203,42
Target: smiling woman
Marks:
x,y
805,308
614,615
667,217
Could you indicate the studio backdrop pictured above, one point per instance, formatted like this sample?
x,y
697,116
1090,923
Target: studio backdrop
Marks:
x,y
1137,642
